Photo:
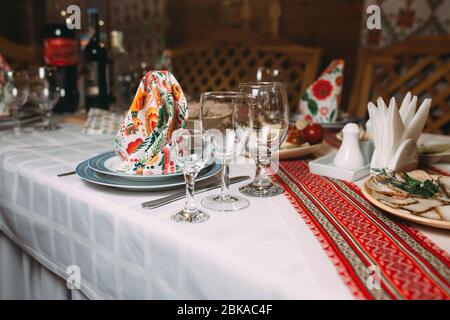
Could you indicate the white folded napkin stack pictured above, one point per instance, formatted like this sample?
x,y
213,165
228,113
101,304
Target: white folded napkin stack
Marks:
x,y
395,132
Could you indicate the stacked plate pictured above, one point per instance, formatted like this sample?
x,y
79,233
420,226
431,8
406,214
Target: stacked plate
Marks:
x,y
7,122
340,123
102,170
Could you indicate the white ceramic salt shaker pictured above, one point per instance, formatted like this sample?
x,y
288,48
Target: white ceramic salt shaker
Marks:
x,y
350,155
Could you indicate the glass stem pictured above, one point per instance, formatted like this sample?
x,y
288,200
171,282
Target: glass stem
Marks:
x,y
225,186
190,207
48,119
15,114
261,179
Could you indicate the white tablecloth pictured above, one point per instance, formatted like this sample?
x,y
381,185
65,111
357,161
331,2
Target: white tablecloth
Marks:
x,y
124,252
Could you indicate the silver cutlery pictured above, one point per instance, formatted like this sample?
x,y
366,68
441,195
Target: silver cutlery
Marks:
x,y
153,204
66,174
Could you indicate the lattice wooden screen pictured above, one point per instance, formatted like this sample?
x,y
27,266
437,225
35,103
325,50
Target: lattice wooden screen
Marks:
x,y
421,66
221,64
143,23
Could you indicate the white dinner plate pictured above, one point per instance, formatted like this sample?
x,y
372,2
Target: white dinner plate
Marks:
x,y
107,163
86,173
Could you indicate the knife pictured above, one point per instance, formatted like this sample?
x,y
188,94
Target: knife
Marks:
x,y
66,174
180,195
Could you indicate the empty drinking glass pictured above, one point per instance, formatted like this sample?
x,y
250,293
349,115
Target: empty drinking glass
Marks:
x,y
45,92
262,109
15,93
217,119
191,151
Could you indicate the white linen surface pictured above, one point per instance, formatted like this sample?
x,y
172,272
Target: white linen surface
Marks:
x,y
124,252
22,277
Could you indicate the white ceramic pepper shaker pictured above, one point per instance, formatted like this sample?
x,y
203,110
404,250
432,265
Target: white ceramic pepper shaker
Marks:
x,y
350,155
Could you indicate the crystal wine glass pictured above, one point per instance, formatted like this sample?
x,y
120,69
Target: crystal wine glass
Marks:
x,y
263,110
45,92
217,119
15,93
191,151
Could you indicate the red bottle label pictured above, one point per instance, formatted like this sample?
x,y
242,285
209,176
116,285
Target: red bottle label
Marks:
x,y
60,52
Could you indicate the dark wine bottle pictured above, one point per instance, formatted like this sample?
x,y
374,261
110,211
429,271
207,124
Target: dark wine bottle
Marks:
x,y
95,68
61,53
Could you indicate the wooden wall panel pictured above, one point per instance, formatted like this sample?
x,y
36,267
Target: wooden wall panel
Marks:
x,y
21,21
333,25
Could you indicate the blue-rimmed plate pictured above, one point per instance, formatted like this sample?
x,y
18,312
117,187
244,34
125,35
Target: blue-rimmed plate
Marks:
x,y
107,163
86,173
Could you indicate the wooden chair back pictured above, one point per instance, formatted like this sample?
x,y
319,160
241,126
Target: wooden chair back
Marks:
x,y
231,57
420,65
18,55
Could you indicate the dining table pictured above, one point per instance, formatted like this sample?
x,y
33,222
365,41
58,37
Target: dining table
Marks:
x,y
64,238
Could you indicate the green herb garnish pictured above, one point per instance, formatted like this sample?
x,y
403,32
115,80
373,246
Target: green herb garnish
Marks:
x,y
428,188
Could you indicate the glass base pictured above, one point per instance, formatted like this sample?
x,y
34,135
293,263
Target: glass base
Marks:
x,y
47,127
267,191
233,203
184,217
23,130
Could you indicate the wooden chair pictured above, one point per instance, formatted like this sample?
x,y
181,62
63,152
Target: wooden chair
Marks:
x,y
420,65
230,57
19,56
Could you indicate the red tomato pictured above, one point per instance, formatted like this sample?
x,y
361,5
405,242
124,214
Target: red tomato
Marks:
x,y
314,133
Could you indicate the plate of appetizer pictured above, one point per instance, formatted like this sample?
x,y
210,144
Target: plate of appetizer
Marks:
x,y
416,196
434,153
303,139
343,119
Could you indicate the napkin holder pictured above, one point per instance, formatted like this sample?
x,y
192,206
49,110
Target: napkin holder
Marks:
x,y
325,167
395,132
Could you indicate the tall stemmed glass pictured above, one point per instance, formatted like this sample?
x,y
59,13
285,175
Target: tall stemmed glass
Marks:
x,y
45,92
15,93
263,109
216,114
191,151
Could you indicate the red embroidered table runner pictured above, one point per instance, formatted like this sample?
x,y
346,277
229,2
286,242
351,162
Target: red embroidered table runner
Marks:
x,y
376,255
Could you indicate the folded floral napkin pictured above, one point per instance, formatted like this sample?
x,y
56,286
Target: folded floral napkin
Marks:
x,y
320,103
4,67
395,132
143,140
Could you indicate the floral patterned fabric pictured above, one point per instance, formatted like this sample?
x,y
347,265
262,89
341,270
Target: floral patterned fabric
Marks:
x,y
401,19
4,66
321,100
143,141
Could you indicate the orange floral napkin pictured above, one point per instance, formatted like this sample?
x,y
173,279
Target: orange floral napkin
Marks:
x,y
143,140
